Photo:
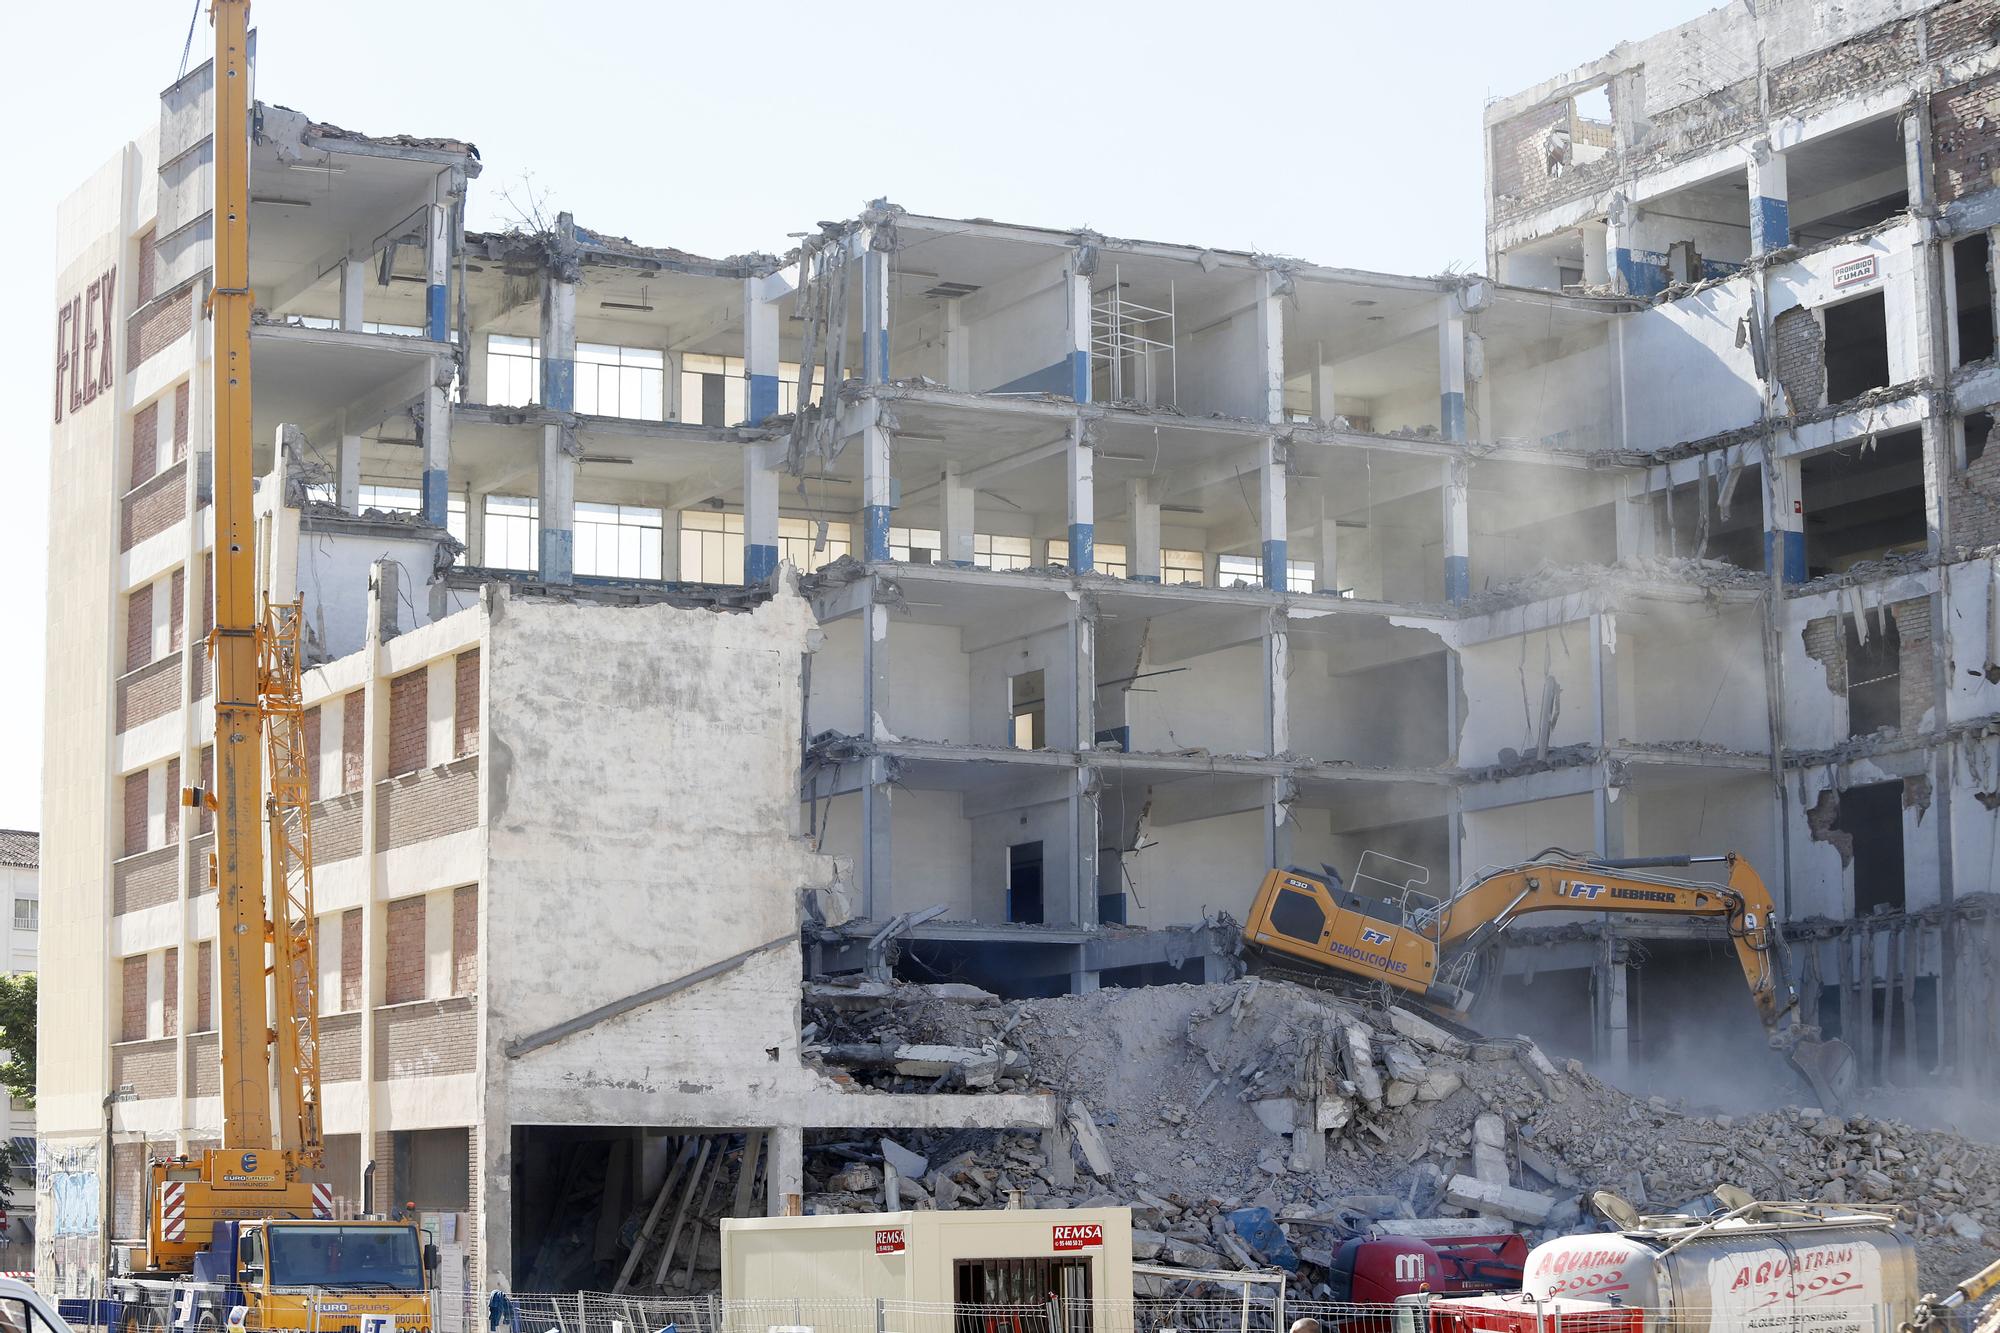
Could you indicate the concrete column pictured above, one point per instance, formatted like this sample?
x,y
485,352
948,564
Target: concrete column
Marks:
x,y
353,287
1457,530
1917,157
1614,1048
1083,796
437,270
559,450
1770,201
437,442
760,511
1270,316
1142,556
1079,328
1620,226
785,1172
1278,822
1784,521
874,311
347,470
956,500
475,528
878,489
1323,408
1451,367
957,347
1082,498
1277,667
875,865
760,347
1272,518
1326,574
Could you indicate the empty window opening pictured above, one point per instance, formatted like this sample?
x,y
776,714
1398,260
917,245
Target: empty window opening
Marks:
x,y
1978,429
1863,501
1857,347
1874,677
1027,705
1873,817
1721,518
1024,884
1972,282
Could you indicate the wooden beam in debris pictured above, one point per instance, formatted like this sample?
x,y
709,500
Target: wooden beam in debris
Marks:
x,y
645,1236
746,1174
681,1212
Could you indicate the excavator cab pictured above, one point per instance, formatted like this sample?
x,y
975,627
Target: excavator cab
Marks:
x,y
1322,923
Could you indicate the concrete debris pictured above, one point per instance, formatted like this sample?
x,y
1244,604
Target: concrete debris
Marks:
x,y
1190,1103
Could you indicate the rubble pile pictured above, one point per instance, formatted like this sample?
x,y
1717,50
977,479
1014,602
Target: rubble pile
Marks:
x,y
1199,1106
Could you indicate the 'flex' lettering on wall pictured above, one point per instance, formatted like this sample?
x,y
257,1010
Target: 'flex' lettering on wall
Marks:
x,y
83,344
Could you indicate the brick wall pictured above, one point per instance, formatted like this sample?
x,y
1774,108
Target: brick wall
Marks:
x,y
312,753
132,998
340,1048
404,980
425,805
1862,63
152,508
465,705
180,421
465,939
135,812
1916,682
177,612
170,993
353,735
351,998
204,1065
409,721
147,1065
1801,358
148,880
145,443
1962,27
1965,137
200,848
139,628
128,1170
149,267
1973,499
204,986
337,829
157,325
417,1040
150,692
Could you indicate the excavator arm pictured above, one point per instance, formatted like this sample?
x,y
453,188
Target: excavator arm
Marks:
x,y
1557,881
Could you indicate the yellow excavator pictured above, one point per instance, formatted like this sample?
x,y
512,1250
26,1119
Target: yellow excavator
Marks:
x,y
241,1234
1430,949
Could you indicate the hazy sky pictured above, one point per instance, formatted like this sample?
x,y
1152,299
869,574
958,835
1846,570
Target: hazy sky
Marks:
x,y
1341,133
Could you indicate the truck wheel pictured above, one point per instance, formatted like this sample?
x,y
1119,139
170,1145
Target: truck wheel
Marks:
x,y
206,1322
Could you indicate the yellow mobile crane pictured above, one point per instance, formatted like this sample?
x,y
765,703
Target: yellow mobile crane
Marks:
x,y
241,1227
1430,950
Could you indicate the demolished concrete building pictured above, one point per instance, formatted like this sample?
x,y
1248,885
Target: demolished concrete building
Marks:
x,y
1000,602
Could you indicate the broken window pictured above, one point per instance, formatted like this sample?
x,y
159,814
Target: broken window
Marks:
x,y
915,546
809,543
1863,501
1873,817
1874,676
433,1168
1972,282
1720,517
1027,705
1857,347
1024,884
1978,429
1247,571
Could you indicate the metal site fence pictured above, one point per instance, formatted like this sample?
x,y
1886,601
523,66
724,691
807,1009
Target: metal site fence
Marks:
x,y
1197,1308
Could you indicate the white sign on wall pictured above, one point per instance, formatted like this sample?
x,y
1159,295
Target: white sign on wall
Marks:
x,y
1854,272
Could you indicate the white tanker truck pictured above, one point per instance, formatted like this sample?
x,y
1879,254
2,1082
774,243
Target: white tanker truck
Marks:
x,y
1755,1268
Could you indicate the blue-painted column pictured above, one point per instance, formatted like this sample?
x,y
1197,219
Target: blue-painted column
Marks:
x,y
437,442
1784,522
878,485
1272,520
1457,531
1770,206
1451,367
559,448
1623,266
760,344
1078,279
760,513
437,268
874,310
1082,462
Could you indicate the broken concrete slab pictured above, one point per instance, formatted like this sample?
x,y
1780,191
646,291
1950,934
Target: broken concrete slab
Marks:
x,y
907,1164
1402,1063
1439,1084
1516,1205
1427,1034
1276,1114
1358,1052
1431,1226
1095,1155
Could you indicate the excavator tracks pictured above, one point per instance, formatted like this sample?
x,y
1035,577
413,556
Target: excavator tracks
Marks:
x,y
1373,994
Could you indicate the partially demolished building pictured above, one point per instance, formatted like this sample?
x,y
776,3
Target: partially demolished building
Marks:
x,y
998,603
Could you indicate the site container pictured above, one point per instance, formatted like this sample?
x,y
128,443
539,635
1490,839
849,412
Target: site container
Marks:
x,y
1008,1256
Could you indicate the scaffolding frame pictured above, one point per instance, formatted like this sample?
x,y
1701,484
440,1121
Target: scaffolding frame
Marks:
x,y
1122,330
